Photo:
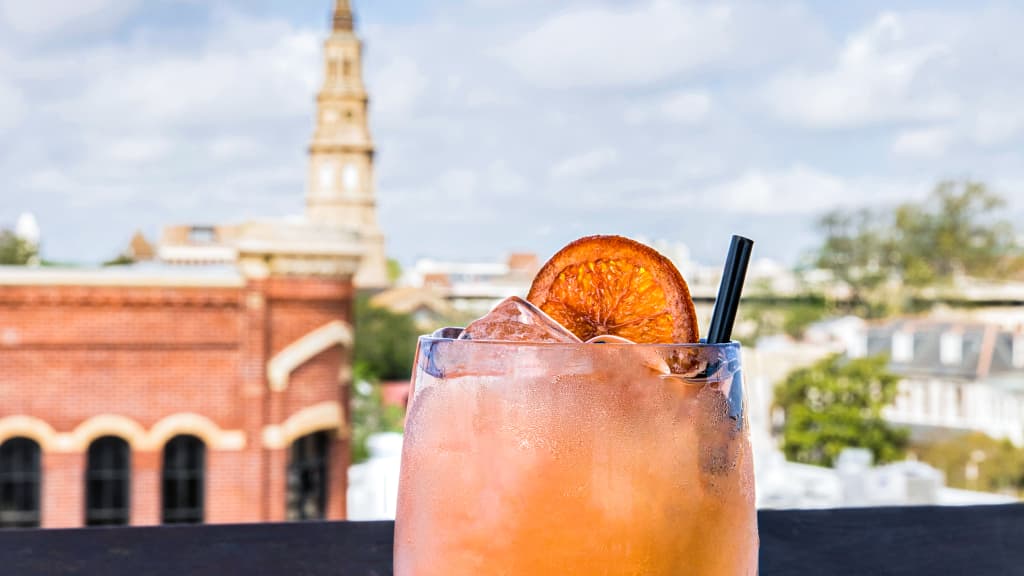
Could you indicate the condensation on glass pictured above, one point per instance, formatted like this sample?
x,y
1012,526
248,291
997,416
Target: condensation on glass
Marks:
x,y
569,458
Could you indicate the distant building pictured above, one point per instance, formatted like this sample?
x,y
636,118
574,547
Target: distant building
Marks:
x,y
525,264
197,245
1000,303
140,249
474,288
956,376
210,385
157,394
341,177
764,366
373,485
341,189
855,482
427,306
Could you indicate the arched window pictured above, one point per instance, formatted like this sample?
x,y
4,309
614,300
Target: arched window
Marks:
x,y
19,483
307,477
108,483
184,480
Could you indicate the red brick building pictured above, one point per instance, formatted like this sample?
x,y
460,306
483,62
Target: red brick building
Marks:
x,y
247,367
210,385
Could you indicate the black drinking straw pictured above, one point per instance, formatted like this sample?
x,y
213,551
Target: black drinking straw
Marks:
x,y
724,315
730,290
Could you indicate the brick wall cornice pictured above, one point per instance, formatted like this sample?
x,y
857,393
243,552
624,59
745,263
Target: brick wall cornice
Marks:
x,y
208,345
308,289
119,296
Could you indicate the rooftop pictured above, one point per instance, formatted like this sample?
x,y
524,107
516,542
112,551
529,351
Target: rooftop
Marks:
x,y
408,299
958,350
140,275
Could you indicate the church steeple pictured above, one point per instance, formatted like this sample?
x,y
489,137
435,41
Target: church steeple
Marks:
x,y
343,20
341,180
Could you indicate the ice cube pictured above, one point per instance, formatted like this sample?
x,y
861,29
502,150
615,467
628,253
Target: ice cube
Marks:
x,y
516,320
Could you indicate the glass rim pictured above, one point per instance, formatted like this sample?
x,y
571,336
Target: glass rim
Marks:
x,y
731,345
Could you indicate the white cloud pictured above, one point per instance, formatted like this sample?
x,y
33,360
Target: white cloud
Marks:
x,y
924,143
444,202
504,180
233,147
997,123
226,83
73,191
49,179
484,97
581,166
595,43
497,3
45,17
145,127
152,133
398,87
607,46
459,185
679,107
137,149
875,79
11,105
800,190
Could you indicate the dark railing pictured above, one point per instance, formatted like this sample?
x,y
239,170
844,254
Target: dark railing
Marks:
x,y
975,541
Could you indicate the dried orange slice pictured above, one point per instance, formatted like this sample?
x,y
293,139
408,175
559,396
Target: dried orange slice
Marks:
x,y
613,285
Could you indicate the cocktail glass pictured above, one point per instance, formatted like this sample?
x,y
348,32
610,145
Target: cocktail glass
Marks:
x,y
576,458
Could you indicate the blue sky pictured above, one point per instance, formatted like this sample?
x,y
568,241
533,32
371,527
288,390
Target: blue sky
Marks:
x,y
508,124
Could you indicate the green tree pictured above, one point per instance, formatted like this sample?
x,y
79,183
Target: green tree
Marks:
x,y
800,315
837,403
122,259
858,250
369,414
976,461
384,349
758,319
956,231
385,341
394,270
14,251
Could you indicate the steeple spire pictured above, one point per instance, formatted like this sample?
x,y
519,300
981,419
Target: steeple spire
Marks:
x,y
343,20
342,192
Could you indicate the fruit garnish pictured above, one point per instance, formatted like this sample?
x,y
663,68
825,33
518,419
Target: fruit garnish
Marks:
x,y
610,285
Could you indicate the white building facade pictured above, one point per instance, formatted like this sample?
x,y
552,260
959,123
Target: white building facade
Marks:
x,y
955,376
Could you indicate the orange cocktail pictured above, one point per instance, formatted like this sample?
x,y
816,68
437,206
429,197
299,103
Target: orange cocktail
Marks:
x,y
531,452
